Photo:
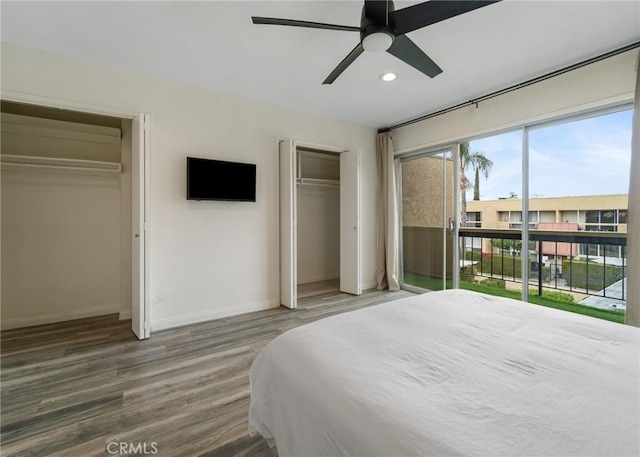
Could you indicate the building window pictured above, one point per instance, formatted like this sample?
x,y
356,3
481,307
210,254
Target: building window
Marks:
x,y
604,220
622,216
474,219
593,217
609,217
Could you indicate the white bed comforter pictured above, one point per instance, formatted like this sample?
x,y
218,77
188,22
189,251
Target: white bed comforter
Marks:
x,y
450,373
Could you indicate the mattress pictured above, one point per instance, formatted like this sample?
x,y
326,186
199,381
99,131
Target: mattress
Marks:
x,y
450,373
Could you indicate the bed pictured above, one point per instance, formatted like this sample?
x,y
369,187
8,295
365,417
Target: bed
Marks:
x,y
450,373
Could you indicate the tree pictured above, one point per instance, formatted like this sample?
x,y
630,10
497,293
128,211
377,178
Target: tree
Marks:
x,y
511,245
476,185
464,182
479,163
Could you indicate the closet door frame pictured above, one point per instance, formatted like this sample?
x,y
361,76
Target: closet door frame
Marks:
x,y
288,218
288,224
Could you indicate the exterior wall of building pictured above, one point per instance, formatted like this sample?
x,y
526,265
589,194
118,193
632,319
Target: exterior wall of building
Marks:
x,y
422,218
561,250
422,192
556,209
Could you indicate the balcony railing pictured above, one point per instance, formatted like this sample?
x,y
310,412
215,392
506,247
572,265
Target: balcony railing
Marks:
x,y
590,265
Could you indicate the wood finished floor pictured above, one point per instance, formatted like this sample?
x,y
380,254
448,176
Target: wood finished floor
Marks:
x,y
69,389
318,288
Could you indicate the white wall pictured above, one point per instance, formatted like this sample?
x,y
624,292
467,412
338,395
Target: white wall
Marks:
x,y
600,84
318,227
208,259
60,246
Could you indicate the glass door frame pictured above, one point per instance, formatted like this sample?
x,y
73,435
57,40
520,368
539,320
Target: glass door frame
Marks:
x,y
539,125
449,224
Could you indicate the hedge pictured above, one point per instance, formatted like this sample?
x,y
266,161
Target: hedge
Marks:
x,y
512,266
473,255
494,282
600,276
554,295
467,273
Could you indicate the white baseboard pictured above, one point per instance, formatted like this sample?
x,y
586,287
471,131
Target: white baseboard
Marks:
x,y
50,318
124,315
194,318
368,285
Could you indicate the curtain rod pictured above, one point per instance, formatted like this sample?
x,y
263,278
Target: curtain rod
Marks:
x,y
506,90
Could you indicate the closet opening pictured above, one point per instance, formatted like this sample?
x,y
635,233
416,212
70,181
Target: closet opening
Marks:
x,y
67,218
318,222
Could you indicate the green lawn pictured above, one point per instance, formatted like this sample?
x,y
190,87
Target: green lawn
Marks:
x,y
431,283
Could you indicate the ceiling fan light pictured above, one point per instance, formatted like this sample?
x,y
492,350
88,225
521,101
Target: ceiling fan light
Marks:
x,y
387,77
377,42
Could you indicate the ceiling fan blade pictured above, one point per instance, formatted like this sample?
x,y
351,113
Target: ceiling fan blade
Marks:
x,y
342,66
427,13
295,23
407,51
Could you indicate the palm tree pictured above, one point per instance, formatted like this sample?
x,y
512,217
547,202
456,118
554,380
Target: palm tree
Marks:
x,y
464,182
480,164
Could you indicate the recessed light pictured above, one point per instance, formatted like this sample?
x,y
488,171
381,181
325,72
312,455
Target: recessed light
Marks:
x,y
388,77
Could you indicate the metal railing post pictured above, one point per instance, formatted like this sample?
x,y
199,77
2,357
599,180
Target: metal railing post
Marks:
x,y
571,268
555,272
587,271
540,268
481,256
604,271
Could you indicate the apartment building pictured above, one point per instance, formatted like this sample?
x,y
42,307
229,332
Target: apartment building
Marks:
x,y
598,213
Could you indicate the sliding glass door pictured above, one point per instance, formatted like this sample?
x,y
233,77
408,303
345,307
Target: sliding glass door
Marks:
x,y
578,201
426,213
544,213
541,215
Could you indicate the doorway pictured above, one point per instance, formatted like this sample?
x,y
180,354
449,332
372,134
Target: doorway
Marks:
x,y
428,203
318,217
122,180
319,221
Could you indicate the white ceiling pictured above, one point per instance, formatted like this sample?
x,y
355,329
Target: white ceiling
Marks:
x,y
214,45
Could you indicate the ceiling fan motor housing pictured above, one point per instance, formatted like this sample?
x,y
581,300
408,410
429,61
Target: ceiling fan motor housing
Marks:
x,y
376,30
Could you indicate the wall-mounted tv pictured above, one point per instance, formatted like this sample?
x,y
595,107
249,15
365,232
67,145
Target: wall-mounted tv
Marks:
x,y
218,180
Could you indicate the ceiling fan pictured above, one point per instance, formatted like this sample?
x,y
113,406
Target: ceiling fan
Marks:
x,y
384,29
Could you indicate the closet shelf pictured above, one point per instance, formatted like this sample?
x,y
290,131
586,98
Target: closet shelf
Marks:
x,y
318,182
52,163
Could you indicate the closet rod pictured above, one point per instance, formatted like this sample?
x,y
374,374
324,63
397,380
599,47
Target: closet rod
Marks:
x,y
318,182
62,167
55,163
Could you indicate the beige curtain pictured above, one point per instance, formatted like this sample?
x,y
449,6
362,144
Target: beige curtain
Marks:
x,y
633,237
388,239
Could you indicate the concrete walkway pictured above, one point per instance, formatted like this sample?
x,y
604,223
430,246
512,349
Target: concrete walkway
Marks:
x,y
613,292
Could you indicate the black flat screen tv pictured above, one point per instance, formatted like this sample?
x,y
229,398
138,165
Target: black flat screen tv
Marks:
x,y
219,180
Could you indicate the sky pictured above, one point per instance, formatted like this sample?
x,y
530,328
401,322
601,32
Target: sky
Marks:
x,y
585,157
